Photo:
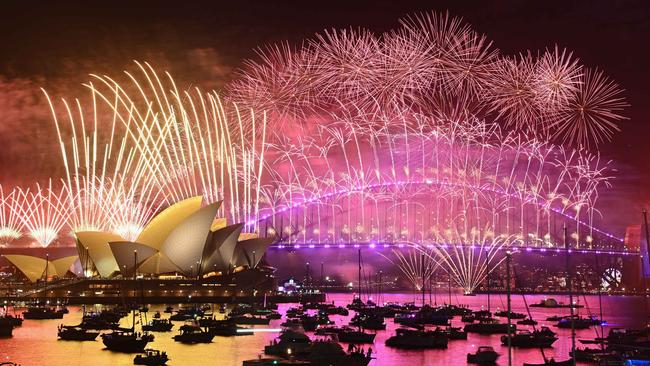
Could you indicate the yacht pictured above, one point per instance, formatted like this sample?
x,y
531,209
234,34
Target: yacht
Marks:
x,y
158,325
289,343
128,341
75,333
42,312
552,362
328,352
191,333
349,335
513,315
484,355
578,322
250,320
527,339
6,327
489,326
553,304
417,339
151,357
527,321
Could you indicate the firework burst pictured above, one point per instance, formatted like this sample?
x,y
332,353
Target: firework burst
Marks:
x,y
591,111
43,212
10,228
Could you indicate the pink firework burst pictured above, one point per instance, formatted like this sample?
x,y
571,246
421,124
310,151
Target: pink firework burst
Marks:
x,y
591,113
557,76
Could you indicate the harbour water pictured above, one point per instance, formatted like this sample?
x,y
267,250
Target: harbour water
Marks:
x,y
36,344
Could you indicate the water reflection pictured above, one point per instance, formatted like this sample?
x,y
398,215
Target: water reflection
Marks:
x,y
35,343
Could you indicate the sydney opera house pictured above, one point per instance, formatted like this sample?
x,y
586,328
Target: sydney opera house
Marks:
x,y
186,251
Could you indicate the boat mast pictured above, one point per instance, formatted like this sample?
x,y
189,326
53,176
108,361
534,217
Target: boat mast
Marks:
x,y
487,265
359,275
509,307
647,242
600,309
570,287
47,262
424,283
449,285
380,294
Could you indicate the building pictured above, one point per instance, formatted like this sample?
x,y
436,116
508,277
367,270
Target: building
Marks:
x,y
184,249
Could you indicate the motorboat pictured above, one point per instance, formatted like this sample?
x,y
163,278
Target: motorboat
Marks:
x,y
484,355
552,362
328,352
527,321
349,335
275,361
76,333
223,328
553,304
417,339
513,315
158,325
578,322
371,322
16,320
151,357
456,333
128,341
187,314
289,342
6,327
191,333
250,320
489,326
42,312
527,339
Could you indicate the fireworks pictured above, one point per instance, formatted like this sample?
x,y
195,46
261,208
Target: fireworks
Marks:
x,y
424,136
590,113
43,212
9,219
429,58
163,145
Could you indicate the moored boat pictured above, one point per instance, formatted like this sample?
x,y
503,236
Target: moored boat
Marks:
x,y
552,362
327,352
355,336
417,339
151,357
76,333
527,321
484,355
553,304
158,325
128,341
275,361
191,333
250,320
578,323
527,339
513,315
6,327
42,313
289,342
489,326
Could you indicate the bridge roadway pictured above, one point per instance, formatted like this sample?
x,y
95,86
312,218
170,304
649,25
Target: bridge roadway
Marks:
x,y
516,248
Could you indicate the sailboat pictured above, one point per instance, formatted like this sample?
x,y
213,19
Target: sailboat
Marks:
x,y
571,361
127,340
487,324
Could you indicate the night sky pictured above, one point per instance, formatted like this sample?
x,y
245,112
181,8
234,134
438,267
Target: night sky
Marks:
x,y
55,45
